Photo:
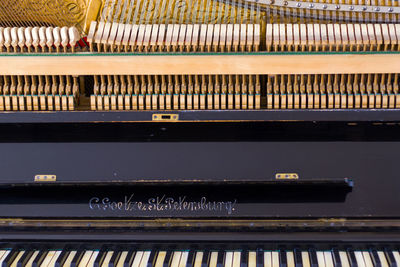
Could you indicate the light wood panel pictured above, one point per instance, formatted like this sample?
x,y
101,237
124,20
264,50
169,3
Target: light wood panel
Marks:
x,y
199,64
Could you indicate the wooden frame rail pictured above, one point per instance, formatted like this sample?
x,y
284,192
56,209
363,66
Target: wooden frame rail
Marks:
x,y
199,64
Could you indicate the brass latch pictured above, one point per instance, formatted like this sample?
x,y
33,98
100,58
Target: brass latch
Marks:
x,y
288,176
45,178
165,117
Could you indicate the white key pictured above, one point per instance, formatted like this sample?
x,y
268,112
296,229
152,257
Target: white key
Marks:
x,y
137,259
176,257
32,258
108,256
48,258
267,259
253,259
290,259
213,259
85,259
4,257
2,253
305,258
367,259
343,259
184,258
145,259
160,259
69,259
275,259
14,263
52,263
198,260
359,259
328,259
120,262
236,259
93,259
321,259
228,259
382,258
396,257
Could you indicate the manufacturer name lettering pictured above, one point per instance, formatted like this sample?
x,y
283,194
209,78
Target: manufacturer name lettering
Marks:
x,y
162,204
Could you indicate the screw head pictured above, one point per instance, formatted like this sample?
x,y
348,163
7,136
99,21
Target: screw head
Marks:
x,y
311,5
325,6
390,9
377,9
364,8
298,4
337,7
351,7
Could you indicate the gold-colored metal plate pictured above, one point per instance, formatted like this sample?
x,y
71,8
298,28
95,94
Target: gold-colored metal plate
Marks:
x,y
45,178
287,176
165,117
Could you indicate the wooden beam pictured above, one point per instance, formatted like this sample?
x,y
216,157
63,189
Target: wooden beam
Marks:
x,y
199,64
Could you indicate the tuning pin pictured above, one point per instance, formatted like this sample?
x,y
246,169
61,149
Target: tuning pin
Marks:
x,y
35,38
74,37
28,38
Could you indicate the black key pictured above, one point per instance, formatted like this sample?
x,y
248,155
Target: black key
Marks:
x,y
298,259
260,258
77,258
40,258
206,258
114,258
352,258
152,259
62,258
168,258
25,258
244,258
100,257
191,258
128,260
220,259
10,258
336,258
375,258
313,258
282,258
390,258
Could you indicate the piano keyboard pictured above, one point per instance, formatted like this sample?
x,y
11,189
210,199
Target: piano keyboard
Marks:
x,y
198,258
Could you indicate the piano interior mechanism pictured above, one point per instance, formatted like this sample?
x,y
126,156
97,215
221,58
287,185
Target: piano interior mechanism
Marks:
x,y
199,133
